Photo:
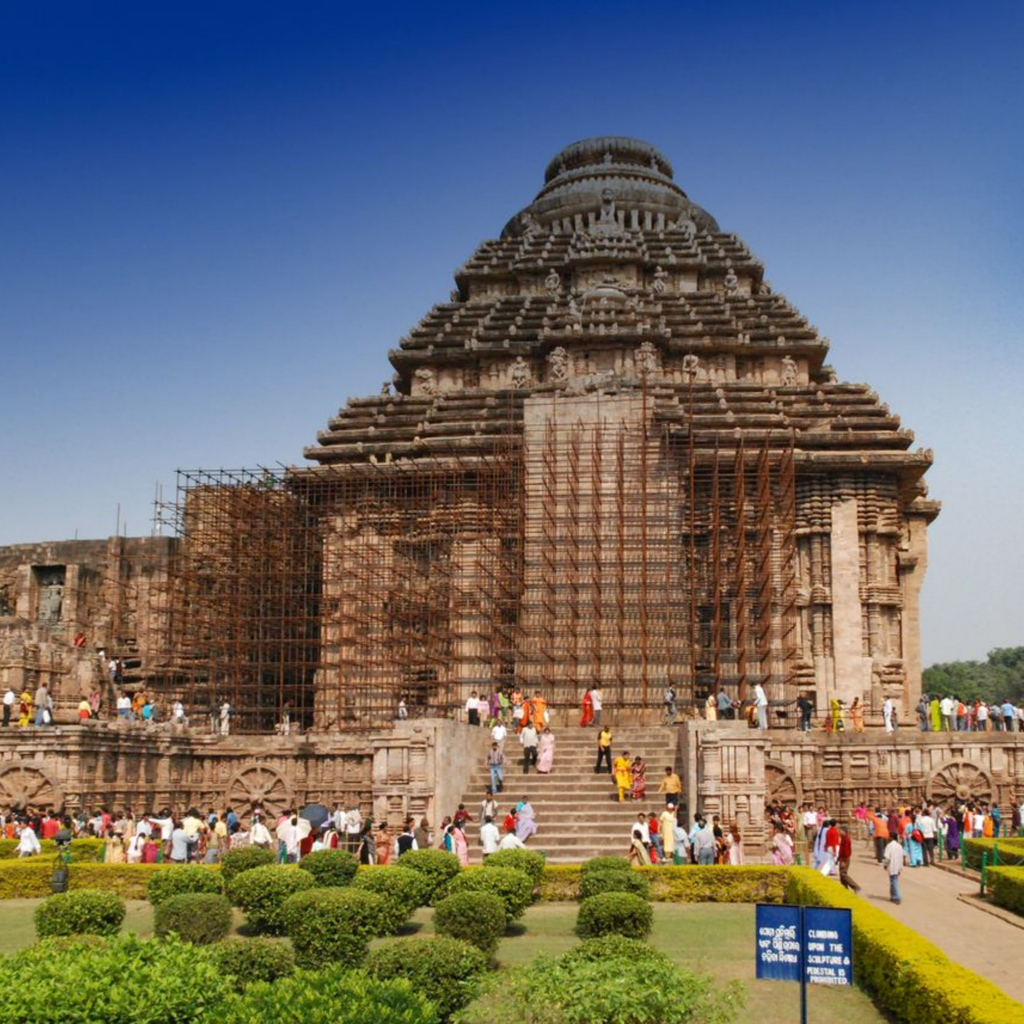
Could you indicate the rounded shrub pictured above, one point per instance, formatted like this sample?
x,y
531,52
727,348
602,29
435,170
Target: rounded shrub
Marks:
x,y
330,867
333,925
337,995
438,866
446,971
475,917
614,913
593,883
605,864
196,917
258,959
407,888
245,859
530,862
121,980
613,947
81,912
178,880
604,992
261,893
512,887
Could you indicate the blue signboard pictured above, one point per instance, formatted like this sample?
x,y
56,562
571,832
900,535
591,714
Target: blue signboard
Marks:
x,y
778,943
818,937
828,946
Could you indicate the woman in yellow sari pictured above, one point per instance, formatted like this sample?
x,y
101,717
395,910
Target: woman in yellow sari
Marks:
x,y
837,715
24,709
623,772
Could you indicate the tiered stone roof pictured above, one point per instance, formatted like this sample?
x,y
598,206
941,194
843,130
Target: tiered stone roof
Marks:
x,y
613,279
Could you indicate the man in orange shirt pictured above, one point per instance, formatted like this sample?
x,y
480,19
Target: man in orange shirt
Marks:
x,y
880,830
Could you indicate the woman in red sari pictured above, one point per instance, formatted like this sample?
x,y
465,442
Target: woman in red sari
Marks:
x,y
639,790
588,709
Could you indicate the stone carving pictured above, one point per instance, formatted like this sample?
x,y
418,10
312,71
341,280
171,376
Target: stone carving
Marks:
x,y
385,389
789,372
23,784
647,360
962,779
427,380
553,282
608,218
257,783
732,282
530,225
591,382
574,317
692,369
558,365
781,786
520,375
659,285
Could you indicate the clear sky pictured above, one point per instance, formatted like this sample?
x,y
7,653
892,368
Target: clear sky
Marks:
x,y
215,220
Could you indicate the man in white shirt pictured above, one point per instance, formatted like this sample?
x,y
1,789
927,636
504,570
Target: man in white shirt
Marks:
x,y
510,841
528,738
490,840
178,713
596,703
761,702
946,709
892,861
641,825
259,834
926,823
889,714
124,706
28,842
473,709
498,734
353,826
288,833
9,699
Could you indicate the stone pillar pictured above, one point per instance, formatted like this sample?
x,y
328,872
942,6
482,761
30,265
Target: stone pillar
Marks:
x,y
913,563
847,628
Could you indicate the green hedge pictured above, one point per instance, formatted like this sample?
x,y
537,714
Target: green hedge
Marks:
x,y
476,917
593,883
83,851
1010,852
1006,887
196,917
905,974
87,912
235,862
617,946
530,862
330,867
28,878
605,864
405,888
246,961
438,866
446,971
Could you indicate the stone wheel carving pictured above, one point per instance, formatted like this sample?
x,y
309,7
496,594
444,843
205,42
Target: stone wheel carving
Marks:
x,y
961,779
24,784
259,784
781,786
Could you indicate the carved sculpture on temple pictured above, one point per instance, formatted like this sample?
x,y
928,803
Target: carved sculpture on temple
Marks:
x,y
646,360
427,380
658,286
558,365
520,375
553,282
789,372
692,369
732,282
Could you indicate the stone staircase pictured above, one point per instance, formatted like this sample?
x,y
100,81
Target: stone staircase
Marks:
x,y
578,813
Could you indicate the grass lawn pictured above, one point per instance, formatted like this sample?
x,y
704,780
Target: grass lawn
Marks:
x,y
715,938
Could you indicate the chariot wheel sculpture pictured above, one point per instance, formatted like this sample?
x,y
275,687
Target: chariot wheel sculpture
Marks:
x,y
24,784
962,780
259,784
780,785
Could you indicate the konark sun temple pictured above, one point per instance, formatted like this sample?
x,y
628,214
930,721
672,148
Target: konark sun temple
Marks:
x,y
612,457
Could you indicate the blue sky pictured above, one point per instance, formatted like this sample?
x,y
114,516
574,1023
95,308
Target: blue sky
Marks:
x,y
214,222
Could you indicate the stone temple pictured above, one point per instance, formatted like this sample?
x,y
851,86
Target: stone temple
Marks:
x,y
613,456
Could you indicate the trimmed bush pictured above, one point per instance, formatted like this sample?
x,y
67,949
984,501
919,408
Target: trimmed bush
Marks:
x,y
88,912
615,947
618,913
616,991
605,864
438,866
30,877
235,862
906,974
334,925
512,887
715,883
593,883
1006,887
560,883
249,960
1001,852
446,971
530,862
261,893
406,888
330,867
122,980
333,996
83,851
180,879
475,917
196,917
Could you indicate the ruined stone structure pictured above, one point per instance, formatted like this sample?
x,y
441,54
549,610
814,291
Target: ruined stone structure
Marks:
x,y
614,455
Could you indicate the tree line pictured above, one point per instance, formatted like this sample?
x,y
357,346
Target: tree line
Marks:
x,y
994,680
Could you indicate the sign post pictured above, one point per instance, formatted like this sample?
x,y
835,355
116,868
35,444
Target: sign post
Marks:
x,y
812,945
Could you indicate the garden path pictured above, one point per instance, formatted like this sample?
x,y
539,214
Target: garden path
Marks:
x,y
980,941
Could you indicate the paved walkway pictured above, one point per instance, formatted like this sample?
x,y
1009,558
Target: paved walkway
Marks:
x,y
987,945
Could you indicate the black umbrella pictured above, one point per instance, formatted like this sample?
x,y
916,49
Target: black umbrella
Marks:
x,y
315,814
